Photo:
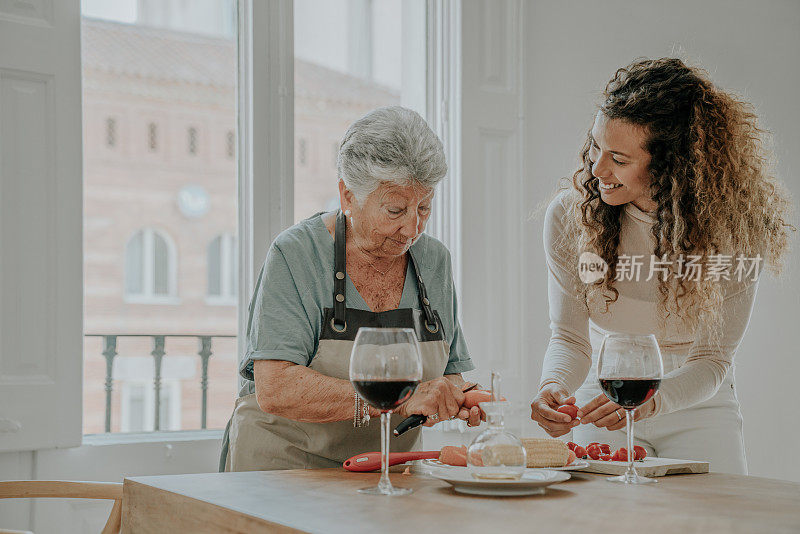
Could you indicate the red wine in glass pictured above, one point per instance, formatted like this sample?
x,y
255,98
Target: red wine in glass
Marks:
x,y
629,369
630,392
385,395
385,369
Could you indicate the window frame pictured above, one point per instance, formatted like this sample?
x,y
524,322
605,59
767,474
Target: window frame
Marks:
x,y
265,128
443,100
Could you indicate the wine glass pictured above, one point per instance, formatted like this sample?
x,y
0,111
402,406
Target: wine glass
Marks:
x,y
385,369
629,368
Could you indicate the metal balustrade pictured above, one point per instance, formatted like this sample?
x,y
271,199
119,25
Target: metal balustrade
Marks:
x,y
205,351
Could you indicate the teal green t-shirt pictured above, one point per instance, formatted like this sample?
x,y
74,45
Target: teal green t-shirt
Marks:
x,y
295,285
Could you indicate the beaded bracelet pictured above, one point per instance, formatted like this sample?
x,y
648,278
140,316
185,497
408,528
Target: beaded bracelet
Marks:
x,y
360,411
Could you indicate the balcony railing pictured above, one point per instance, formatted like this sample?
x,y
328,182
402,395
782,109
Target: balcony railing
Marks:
x,y
205,345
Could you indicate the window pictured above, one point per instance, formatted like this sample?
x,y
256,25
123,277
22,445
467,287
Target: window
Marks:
x,y
149,266
172,67
350,58
230,144
192,140
222,270
137,411
124,61
111,132
152,137
302,152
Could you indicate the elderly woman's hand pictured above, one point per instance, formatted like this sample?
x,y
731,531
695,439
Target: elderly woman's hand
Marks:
x,y
439,399
606,414
473,416
544,406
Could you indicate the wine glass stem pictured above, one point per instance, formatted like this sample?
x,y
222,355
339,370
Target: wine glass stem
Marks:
x,y
629,427
385,484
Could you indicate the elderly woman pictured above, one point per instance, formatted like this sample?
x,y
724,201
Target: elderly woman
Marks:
x,y
367,265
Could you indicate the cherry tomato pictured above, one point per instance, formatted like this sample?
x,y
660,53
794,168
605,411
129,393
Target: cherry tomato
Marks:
x,y
605,448
639,453
571,446
621,455
580,452
570,409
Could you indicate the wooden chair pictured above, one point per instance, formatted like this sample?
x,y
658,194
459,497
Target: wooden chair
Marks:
x,y
34,489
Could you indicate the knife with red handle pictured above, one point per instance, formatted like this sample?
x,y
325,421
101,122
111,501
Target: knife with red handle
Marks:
x,y
371,461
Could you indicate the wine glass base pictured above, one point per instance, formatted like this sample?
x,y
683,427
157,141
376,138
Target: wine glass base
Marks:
x,y
391,491
632,479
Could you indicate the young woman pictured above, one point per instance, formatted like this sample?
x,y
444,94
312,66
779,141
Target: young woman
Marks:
x,y
674,194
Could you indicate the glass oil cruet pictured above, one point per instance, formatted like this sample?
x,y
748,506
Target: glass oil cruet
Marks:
x,y
496,453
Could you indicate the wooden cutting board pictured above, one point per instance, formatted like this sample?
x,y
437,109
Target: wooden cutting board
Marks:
x,y
650,467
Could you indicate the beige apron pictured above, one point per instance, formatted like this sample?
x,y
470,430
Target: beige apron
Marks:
x,y
257,441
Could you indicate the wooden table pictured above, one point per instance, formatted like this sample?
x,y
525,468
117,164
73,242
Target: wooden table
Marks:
x,y
326,501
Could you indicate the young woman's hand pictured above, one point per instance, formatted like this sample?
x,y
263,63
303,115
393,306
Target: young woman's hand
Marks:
x,y
544,410
606,414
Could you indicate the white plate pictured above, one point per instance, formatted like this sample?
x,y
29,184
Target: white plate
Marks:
x,y
576,465
533,481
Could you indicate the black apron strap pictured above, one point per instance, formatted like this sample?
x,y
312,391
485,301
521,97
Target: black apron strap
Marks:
x,y
339,322
430,319
339,277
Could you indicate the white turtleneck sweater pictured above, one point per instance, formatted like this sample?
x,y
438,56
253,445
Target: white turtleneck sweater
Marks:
x,y
694,367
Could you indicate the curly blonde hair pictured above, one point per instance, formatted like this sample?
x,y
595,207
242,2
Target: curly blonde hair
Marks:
x,y
710,178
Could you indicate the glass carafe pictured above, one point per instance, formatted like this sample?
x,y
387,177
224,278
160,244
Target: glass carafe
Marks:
x,y
496,453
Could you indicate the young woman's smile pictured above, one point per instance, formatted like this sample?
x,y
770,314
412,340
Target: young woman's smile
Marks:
x,y
620,162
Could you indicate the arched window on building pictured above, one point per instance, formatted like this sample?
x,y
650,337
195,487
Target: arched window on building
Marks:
x,y
150,267
302,151
222,270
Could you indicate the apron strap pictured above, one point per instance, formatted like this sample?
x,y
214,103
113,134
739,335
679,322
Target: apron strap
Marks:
x,y
339,282
430,319
339,277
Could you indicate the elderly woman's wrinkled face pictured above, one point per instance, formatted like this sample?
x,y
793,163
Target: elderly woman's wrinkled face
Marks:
x,y
620,162
390,219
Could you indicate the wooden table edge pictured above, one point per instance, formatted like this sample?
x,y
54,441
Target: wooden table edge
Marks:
x,y
130,487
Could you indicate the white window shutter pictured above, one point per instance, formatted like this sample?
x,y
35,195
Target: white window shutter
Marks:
x,y
41,286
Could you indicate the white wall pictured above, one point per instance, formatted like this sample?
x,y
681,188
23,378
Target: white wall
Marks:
x,y
751,47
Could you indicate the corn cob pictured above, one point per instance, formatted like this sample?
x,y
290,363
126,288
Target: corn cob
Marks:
x,y
502,455
546,452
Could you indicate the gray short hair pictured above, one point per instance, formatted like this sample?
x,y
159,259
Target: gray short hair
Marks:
x,y
391,144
